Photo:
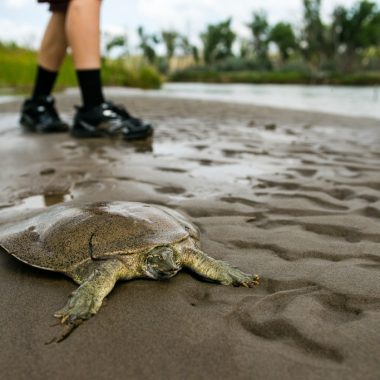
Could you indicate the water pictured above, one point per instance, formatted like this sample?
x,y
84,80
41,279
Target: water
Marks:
x,y
45,200
8,211
7,98
348,101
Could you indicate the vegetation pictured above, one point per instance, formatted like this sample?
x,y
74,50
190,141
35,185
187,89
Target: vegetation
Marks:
x,y
258,77
282,35
345,51
18,67
217,41
259,28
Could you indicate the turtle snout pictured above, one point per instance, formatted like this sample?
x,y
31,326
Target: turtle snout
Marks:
x,y
173,270
161,263
168,272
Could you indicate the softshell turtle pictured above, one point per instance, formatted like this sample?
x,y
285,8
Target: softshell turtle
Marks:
x,y
97,244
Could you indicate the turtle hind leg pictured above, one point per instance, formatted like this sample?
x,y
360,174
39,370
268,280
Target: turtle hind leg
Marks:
x,y
216,270
86,300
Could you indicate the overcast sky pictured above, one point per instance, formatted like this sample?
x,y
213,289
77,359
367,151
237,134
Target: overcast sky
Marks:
x,y
24,20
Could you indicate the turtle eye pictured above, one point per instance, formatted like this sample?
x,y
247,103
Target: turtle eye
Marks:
x,y
157,257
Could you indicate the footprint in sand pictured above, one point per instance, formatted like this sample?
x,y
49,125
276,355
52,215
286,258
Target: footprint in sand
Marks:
x,y
298,318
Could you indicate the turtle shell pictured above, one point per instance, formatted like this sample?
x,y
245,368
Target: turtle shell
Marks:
x,y
66,235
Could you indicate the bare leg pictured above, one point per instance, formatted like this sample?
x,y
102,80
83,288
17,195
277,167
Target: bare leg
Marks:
x,y
216,270
54,43
83,33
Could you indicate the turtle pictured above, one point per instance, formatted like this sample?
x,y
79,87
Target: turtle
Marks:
x,y
96,244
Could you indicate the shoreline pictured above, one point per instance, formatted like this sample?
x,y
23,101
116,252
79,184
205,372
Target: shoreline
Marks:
x,y
138,101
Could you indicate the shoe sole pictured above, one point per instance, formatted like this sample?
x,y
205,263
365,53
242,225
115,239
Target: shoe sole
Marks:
x,y
31,127
84,130
139,136
80,133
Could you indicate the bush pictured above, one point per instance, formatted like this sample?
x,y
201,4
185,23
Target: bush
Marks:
x,y
367,78
236,64
130,73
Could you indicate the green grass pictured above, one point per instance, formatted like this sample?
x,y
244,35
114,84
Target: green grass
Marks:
x,y
18,68
130,73
239,77
274,77
365,78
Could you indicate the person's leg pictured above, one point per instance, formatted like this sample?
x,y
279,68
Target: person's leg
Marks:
x,y
38,113
97,117
54,43
83,34
51,55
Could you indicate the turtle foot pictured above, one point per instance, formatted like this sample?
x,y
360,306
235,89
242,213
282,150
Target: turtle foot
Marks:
x,y
82,305
236,277
253,280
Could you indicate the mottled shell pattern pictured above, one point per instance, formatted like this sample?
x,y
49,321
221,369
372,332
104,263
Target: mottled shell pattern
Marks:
x,y
66,235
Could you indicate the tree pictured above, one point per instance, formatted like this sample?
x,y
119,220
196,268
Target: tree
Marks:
x,y
169,38
358,28
244,48
313,41
282,35
118,41
259,27
187,48
147,44
217,41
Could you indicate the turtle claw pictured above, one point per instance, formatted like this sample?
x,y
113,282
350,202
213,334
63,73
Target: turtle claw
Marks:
x,y
236,277
80,306
248,284
63,315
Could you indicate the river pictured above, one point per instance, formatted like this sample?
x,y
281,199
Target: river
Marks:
x,y
349,101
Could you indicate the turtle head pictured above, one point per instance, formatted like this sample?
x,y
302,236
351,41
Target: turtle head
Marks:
x,y
161,263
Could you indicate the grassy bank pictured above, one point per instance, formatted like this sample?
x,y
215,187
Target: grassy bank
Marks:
x,y
18,67
274,77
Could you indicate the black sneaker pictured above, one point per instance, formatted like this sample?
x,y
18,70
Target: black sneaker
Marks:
x,y
109,120
39,115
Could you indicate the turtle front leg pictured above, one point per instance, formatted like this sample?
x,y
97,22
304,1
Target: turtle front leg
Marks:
x,y
216,270
85,301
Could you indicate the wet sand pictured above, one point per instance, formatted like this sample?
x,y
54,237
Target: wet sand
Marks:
x,y
293,196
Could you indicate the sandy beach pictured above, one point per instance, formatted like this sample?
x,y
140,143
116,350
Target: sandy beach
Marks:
x,y
293,196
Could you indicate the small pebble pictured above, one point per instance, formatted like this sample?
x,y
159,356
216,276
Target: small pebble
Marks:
x,y
270,127
47,171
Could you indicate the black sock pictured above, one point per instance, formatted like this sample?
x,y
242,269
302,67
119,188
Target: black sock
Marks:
x,y
44,83
91,87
